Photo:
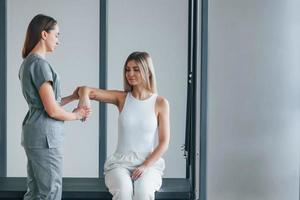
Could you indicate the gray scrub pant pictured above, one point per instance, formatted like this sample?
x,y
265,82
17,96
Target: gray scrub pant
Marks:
x,y
44,174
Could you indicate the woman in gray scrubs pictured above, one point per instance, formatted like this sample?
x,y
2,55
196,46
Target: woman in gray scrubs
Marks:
x,y
42,134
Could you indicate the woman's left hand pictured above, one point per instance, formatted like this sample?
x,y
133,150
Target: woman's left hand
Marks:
x,y
138,172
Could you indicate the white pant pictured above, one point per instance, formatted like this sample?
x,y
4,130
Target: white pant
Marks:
x,y
122,187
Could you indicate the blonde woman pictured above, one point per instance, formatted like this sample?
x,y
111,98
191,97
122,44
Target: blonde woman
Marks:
x,y
135,169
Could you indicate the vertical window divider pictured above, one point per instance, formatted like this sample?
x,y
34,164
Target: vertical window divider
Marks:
x,y
3,104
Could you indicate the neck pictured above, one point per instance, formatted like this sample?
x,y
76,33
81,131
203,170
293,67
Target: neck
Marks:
x,y
141,93
40,50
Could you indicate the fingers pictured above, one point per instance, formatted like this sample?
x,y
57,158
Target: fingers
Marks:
x,y
84,102
137,173
88,111
87,108
83,112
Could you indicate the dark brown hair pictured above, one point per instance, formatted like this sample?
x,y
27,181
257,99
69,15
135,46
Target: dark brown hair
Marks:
x,y
33,35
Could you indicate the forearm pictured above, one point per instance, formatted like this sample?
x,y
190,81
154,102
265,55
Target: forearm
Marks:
x,y
84,96
52,108
67,99
156,154
87,93
60,114
101,95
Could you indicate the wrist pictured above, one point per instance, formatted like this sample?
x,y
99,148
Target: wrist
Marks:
x,y
84,102
76,116
146,163
74,97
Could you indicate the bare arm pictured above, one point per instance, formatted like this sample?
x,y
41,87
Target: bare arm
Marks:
x,y
54,110
68,99
164,138
108,96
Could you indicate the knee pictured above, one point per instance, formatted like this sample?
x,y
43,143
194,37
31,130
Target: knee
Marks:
x,y
122,195
125,189
119,184
122,192
142,192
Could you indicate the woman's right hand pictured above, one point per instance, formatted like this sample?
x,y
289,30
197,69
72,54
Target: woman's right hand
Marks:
x,y
82,113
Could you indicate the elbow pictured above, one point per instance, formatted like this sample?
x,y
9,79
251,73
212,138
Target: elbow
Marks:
x,y
52,113
83,90
164,146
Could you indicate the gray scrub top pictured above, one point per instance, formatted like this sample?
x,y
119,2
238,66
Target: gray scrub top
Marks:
x,y
39,130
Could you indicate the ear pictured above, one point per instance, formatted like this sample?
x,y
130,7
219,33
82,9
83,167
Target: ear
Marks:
x,y
44,35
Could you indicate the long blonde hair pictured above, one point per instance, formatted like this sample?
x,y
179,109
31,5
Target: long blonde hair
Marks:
x,y
145,64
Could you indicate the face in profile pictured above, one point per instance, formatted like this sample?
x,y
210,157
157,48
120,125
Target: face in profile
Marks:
x,y
133,74
51,39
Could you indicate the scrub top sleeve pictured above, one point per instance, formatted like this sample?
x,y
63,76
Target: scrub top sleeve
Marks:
x,y
41,73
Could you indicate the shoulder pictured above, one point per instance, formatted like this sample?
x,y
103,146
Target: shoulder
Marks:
x,y
37,65
119,95
162,104
39,62
33,61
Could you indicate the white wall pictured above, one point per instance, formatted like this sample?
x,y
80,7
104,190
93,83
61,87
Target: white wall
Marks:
x,y
77,62
160,28
253,100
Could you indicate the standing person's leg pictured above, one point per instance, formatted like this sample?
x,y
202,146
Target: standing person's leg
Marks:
x,y
146,185
32,189
56,163
119,183
47,171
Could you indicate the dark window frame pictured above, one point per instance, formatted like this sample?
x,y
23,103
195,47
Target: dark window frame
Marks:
x,y
3,93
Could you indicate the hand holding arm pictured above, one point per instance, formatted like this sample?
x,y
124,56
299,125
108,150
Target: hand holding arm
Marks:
x,y
84,102
82,113
56,111
84,97
70,98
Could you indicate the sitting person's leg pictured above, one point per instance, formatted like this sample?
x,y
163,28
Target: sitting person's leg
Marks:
x,y
119,183
146,185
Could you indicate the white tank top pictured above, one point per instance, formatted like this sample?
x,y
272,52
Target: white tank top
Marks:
x,y
137,125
